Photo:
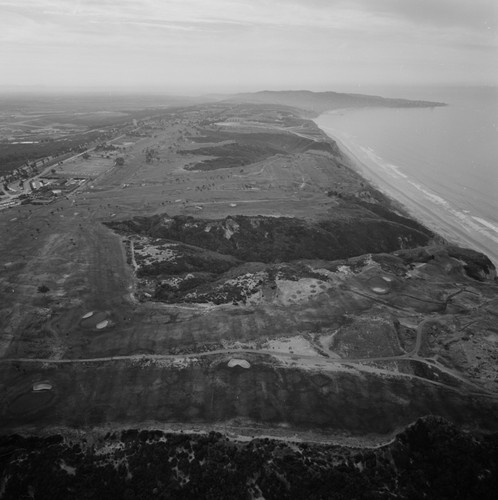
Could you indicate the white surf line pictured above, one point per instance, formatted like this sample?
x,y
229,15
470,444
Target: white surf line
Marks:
x,y
442,217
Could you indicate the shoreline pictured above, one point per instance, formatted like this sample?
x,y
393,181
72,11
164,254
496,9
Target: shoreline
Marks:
x,y
399,188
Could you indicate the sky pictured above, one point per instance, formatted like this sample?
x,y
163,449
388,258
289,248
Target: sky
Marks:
x,y
199,46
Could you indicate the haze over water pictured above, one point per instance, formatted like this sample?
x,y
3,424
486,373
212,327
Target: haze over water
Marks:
x,y
441,163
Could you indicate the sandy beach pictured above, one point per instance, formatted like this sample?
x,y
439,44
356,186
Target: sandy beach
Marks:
x,y
427,207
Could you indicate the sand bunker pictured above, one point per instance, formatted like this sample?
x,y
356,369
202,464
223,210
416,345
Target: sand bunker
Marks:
x,y
87,315
42,386
380,285
96,318
239,362
102,324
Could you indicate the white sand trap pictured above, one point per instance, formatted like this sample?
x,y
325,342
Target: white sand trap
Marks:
x,y
239,362
102,324
385,278
42,386
233,204
87,315
378,289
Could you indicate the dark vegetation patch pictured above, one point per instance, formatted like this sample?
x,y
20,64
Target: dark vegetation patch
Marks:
x,y
247,148
236,285
280,239
475,264
188,259
209,254
219,292
173,291
430,459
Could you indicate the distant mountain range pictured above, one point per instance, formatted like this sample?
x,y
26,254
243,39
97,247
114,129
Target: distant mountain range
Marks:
x,y
322,101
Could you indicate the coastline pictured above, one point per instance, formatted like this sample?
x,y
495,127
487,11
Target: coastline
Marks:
x,y
429,210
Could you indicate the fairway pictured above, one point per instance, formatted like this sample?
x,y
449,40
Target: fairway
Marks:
x,y
236,273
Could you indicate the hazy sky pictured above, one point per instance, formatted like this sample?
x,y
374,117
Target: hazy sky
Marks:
x,y
193,46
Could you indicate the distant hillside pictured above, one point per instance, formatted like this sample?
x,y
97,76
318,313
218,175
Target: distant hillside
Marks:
x,y
323,101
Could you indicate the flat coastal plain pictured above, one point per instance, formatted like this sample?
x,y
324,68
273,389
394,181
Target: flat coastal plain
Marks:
x,y
236,273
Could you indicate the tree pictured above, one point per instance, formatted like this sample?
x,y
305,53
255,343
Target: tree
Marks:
x,y
119,161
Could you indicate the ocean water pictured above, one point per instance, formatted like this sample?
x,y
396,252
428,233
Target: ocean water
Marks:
x,y
441,163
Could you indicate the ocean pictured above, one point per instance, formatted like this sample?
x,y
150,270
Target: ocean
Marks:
x,y
441,163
